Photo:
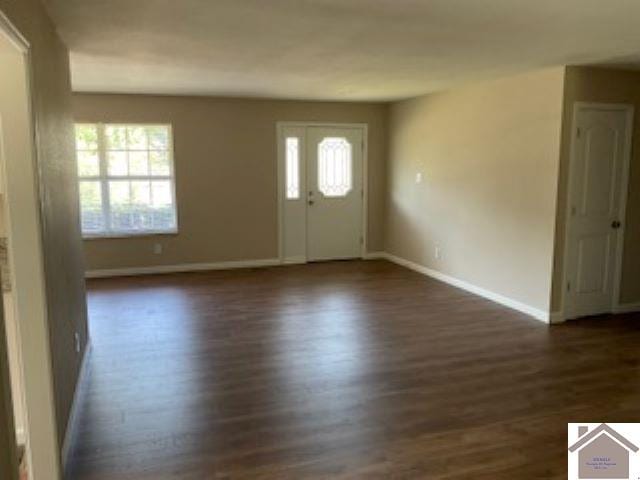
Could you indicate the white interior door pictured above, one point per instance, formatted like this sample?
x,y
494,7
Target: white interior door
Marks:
x,y
597,195
334,193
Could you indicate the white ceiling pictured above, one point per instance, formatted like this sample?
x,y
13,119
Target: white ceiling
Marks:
x,y
333,49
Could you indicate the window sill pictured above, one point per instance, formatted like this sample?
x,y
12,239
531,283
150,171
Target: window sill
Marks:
x,y
124,235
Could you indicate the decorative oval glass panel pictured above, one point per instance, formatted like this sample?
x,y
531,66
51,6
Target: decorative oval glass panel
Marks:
x,y
335,178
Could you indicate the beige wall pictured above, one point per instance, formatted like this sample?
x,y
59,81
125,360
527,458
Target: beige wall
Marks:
x,y
226,174
63,262
489,156
605,86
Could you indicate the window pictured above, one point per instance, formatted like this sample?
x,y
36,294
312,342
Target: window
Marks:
x,y
334,167
293,168
126,179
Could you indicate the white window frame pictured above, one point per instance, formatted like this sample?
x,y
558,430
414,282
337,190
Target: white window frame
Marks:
x,y
104,179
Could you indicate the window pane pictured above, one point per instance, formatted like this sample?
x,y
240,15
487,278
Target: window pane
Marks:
x,y
160,163
116,137
86,137
161,193
138,206
88,164
91,207
142,218
138,163
293,168
117,164
141,193
164,215
136,138
158,138
334,167
119,193
120,205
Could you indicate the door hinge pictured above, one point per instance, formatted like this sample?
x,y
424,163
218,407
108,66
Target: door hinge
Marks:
x,y
361,240
579,132
568,286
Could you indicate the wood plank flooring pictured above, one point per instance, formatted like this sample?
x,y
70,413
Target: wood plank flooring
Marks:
x,y
345,370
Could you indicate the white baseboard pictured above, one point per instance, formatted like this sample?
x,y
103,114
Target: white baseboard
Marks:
x,y
185,267
627,308
72,423
559,317
495,297
198,267
297,260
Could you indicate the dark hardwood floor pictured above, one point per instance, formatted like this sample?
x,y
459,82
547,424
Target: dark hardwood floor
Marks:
x,y
346,370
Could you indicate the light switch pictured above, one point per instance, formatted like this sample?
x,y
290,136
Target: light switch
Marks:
x,y
419,177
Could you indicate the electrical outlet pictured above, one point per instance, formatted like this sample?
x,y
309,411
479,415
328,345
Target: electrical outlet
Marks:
x,y
76,336
437,253
157,249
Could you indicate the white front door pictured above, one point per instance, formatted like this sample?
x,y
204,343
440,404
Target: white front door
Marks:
x,y
334,193
321,192
597,193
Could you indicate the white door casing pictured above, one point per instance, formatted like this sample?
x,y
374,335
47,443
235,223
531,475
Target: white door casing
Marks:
x,y
327,220
597,195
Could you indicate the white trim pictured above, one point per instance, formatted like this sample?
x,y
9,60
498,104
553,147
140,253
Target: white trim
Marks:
x,y
375,255
566,310
11,33
297,260
624,191
280,188
620,308
365,190
74,413
627,308
182,268
494,297
364,127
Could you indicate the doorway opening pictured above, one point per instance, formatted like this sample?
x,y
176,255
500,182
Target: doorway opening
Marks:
x,y
595,225
322,191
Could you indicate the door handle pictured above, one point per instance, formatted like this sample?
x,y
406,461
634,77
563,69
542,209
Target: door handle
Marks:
x,y
311,202
616,224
